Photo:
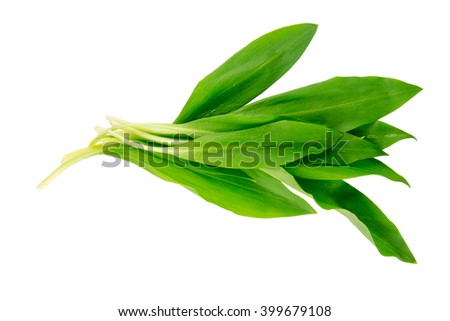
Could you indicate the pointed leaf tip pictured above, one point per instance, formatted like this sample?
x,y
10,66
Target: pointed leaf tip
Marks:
x,y
362,212
248,73
342,103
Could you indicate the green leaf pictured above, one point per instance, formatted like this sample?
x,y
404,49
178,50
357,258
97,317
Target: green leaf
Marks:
x,y
230,122
242,155
350,149
342,103
362,212
248,73
281,174
359,168
358,208
345,151
249,193
381,134
265,146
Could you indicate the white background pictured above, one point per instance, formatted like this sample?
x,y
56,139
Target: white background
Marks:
x,y
99,239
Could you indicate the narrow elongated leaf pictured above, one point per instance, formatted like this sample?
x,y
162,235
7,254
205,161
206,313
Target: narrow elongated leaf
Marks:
x,y
248,193
241,155
231,122
350,149
269,145
345,151
248,73
358,208
342,103
362,212
381,134
359,168
282,174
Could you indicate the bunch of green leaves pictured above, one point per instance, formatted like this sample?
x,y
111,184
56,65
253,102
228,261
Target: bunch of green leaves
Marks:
x,y
221,110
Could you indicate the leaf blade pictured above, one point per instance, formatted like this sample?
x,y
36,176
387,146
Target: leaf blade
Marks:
x,y
381,134
347,150
342,103
359,168
369,218
247,73
241,192
273,144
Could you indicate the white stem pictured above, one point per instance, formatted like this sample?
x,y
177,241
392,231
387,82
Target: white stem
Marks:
x,y
81,154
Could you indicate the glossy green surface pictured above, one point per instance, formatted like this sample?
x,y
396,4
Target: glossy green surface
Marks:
x,y
242,192
273,144
359,168
248,73
241,155
362,212
342,103
381,134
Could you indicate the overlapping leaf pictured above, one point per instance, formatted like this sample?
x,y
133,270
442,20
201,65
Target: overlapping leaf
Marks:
x,y
248,73
273,144
347,150
342,103
381,134
362,212
359,168
358,208
318,135
242,192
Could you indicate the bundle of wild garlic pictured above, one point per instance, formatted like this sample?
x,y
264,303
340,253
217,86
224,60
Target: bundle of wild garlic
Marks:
x,y
241,155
